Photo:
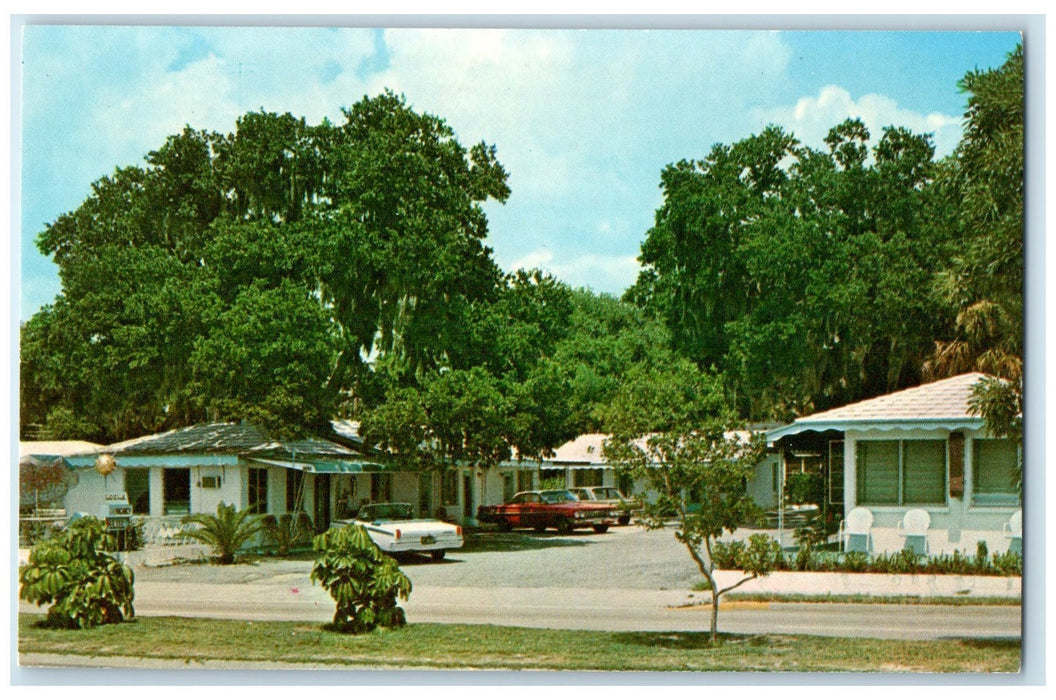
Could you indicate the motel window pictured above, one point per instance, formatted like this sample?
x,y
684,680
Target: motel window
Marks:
x,y
137,488
587,477
901,472
380,488
450,488
994,468
924,471
176,488
258,490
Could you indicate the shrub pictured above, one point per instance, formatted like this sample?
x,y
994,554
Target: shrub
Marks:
x,y
805,488
75,573
226,532
982,556
362,580
726,555
287,531
856,562
729,555
1008,564
761,556
805,560
817,530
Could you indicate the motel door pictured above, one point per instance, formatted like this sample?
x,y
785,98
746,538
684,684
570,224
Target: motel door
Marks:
x,y
322,502
467,493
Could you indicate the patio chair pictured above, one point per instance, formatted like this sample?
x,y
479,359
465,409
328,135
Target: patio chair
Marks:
x,y
1013,530
914,529
855,530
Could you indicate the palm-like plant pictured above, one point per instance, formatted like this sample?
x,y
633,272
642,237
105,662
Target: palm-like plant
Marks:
x,y
363,581
226,532
78,576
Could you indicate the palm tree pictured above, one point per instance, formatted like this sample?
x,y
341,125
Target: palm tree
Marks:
x,y
226,532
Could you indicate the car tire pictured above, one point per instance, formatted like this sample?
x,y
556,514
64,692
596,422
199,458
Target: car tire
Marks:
x,y
539,528
601,528
564,527
438,554
623,519
504,525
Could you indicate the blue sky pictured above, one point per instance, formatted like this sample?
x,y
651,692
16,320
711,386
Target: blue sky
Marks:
x,y
584,120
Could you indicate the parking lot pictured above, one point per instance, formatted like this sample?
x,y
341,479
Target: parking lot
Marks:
x,y
628,557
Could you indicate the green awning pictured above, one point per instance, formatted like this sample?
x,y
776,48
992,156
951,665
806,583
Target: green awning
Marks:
x,y
321,466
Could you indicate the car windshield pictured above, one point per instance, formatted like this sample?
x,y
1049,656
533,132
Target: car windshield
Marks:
x,y
386,511
557,497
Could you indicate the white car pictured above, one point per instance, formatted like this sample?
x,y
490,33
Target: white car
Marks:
x,y
610,496
395,530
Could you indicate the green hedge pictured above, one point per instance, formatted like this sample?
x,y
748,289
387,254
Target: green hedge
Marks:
x,y
725,553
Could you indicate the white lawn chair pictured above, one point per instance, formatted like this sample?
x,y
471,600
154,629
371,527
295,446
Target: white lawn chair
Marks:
x,y
855,530
914,528
1013,530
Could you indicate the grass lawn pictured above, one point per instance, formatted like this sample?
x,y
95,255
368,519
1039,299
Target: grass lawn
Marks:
x,y
489,647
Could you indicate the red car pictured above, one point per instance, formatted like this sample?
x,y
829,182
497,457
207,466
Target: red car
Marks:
x,y
539,510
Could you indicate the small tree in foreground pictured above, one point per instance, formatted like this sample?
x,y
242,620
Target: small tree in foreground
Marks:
x,y
671,432
362,580
75,573
226,532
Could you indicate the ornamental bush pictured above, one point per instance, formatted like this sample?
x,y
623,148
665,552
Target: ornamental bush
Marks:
x,y
226,532
288,531
76,574
727,554
362,580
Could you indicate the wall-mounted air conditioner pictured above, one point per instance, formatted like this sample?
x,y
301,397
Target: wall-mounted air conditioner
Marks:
x,y
210,482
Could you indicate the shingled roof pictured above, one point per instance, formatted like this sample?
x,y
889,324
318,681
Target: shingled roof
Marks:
x,y
940,404
225,438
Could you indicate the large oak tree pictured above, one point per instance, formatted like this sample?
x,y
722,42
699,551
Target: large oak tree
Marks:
x,y
253,274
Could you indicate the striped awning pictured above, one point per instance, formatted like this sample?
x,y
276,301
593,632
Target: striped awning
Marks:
x,y
820,426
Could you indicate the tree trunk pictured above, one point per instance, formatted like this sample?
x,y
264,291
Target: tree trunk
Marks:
x,y
714,617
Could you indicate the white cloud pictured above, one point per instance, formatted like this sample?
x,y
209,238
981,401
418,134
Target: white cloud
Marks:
x,y
811,117
597,271
540,258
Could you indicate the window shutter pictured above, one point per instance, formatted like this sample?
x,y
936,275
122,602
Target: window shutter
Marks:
x,y
994,464
877,466
924,471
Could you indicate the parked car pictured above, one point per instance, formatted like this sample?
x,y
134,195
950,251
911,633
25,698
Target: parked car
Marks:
x,y
539,510
608,495
395,529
